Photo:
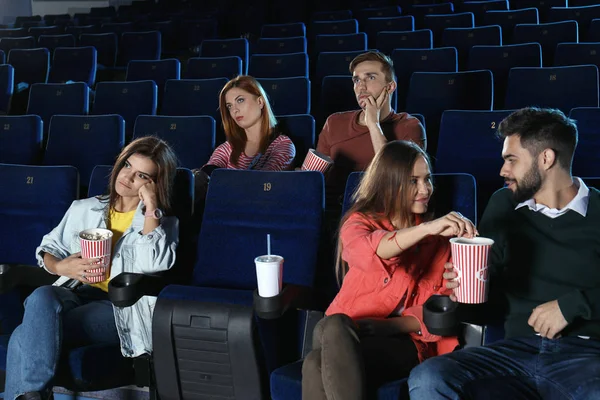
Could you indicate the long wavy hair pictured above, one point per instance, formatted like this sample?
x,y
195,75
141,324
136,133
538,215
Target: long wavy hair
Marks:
x,y
384,192
235,135
166,161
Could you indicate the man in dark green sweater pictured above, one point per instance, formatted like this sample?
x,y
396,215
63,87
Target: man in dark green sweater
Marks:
x,y
545,271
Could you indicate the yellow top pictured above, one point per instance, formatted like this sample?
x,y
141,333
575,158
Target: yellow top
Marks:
x,y
118,223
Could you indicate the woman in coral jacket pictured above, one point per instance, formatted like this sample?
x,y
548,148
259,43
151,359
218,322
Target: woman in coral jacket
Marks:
x,y
391,258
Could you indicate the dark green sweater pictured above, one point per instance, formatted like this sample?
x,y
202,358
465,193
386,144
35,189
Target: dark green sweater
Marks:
x,y
536,259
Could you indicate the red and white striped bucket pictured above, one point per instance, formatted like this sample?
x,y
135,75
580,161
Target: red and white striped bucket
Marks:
x,y
316,161
97,249
470,259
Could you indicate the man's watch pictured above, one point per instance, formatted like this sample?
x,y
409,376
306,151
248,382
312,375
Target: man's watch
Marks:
x,y
156,213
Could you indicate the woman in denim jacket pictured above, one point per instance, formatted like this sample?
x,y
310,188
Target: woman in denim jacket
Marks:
x,y
144,241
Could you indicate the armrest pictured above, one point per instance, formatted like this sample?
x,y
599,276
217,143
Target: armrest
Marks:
x,y
14,275
127,288
291,296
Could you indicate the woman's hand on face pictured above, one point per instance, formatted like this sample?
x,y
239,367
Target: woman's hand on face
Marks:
x,y
77,268
452,224
147,194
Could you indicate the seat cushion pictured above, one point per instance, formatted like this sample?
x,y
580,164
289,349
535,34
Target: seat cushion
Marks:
x,y
286,382
95,367
396,390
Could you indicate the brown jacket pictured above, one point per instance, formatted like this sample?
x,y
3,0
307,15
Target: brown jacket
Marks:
x,y
349,145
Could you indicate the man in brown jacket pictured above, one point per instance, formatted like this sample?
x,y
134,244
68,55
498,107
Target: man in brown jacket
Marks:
x,y
352,138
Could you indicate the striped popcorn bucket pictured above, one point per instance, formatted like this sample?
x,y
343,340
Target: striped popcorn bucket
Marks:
x,y
470,259
99,247
316,161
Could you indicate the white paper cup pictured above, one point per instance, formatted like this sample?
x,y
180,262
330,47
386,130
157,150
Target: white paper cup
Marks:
x,y
269,275
97,249
470,259
316,161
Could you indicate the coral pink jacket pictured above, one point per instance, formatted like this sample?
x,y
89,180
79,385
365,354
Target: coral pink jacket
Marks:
x,y
374,287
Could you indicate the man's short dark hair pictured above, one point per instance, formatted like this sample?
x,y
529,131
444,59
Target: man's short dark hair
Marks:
x,y
540,129
387,65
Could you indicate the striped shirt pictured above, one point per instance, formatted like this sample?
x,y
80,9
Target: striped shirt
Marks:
x,y
278,157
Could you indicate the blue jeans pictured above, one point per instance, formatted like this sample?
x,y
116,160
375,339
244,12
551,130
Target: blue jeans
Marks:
x,y
529,367
55,319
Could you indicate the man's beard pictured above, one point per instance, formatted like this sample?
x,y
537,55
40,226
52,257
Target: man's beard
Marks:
x,y
528,186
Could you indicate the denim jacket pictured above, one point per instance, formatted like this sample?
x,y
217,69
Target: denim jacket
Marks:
x,y
134,252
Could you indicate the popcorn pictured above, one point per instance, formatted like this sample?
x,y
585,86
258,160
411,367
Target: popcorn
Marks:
x,y
95,236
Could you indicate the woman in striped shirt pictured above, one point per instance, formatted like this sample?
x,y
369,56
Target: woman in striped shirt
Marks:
x,y
253,140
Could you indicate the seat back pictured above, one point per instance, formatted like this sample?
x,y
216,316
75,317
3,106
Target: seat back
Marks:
x,y
7,84
472,134
192,137
286,205
337,15
278,65
157,71
542,7
480,8
285,45
34,200
585,161
105,45
548,36
20,139
51,42
558,87
193,97
84,141
463,39
431,93
288,95
334,63
128,99
419,39
438,23
339,27
31,65
214,67
419,11
577,54
583,15
48,99
346,42
508,19
9,43
139,46
407,61
374,25
301,130
500,59
76,64
226,48
283,30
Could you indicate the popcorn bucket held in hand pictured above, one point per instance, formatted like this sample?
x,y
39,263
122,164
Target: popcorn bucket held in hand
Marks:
x,y
316,161
97,243
470,259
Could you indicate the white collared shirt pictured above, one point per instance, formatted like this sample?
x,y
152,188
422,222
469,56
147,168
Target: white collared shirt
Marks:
x,y
579,204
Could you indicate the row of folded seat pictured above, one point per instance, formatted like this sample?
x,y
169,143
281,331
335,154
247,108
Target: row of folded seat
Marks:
x,y
430,94
86,141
